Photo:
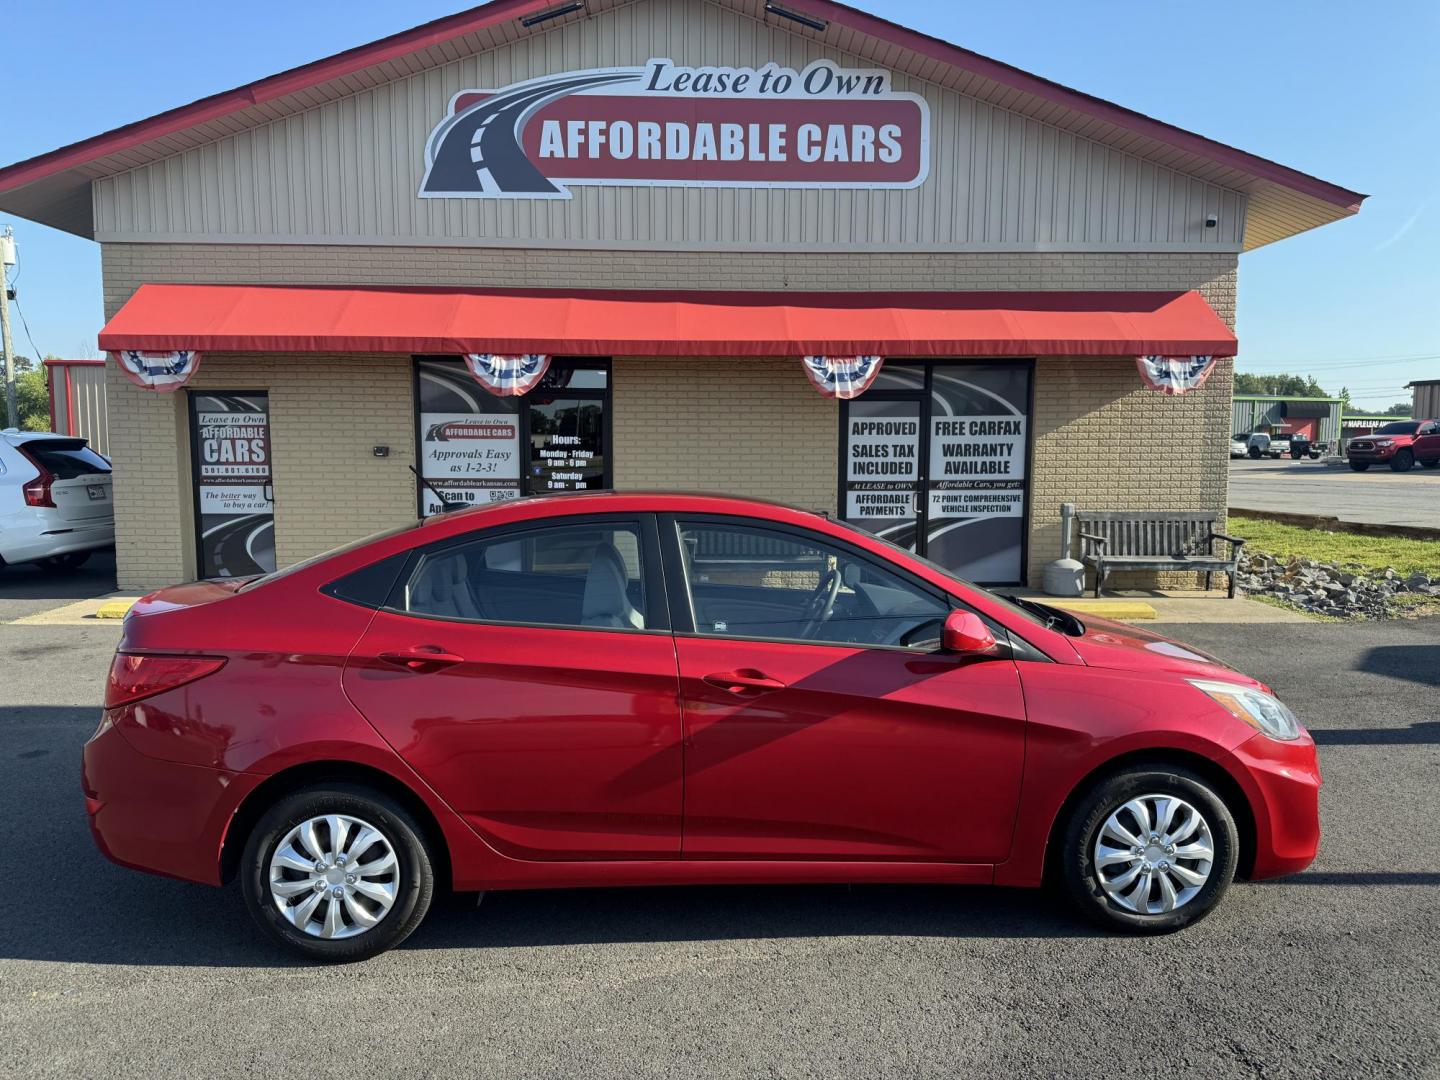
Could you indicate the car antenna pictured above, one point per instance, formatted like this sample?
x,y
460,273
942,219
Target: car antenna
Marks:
x,y
446,505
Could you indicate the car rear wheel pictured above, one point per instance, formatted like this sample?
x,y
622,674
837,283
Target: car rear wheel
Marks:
x,y
337,873
1150,850
1359,466
1403,461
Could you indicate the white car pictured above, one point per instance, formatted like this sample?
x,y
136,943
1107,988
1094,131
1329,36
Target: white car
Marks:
x,y
1240,444
55,500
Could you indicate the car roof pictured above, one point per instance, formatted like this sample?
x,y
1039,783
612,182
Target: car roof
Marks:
x,y
14,436
599,502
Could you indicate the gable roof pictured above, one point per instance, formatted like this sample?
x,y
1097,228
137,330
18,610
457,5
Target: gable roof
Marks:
x,y
54,188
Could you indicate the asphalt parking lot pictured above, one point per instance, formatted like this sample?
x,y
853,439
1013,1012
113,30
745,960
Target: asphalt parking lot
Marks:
x,y
107,972
1377,497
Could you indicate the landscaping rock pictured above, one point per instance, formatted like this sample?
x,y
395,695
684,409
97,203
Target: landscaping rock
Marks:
x,y
1327,589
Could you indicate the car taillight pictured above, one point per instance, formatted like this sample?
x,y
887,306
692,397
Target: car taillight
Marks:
x,y
134,676
37,491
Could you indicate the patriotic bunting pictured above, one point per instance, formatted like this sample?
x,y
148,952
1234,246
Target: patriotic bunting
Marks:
x,y
507,376
159,371
842,377
1175,374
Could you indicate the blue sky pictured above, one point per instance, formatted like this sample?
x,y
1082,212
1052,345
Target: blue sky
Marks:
x,y
1347,94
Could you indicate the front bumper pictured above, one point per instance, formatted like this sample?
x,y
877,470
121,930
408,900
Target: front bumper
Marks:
x,y
1378,454
1283,779
158,816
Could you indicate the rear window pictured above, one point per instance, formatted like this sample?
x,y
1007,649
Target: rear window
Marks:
x,y
67,459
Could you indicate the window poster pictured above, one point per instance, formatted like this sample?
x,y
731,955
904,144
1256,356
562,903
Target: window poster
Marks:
x,y
469,439
975,485
234,496
882,468
567,445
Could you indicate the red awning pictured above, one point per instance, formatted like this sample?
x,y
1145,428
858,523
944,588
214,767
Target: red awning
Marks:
x,y
271,318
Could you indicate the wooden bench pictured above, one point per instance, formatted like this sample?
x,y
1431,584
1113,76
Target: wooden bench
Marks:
x,y
1125,540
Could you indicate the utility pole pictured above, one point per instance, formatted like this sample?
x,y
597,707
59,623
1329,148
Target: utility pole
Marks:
x,y
7,260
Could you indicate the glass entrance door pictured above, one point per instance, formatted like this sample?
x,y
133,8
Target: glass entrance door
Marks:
x,y
934,457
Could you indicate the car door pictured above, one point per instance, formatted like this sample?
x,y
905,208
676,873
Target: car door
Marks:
x,y
1427,444
528,674
821,720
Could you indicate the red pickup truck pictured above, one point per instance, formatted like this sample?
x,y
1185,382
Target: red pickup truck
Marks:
x,y
1399,444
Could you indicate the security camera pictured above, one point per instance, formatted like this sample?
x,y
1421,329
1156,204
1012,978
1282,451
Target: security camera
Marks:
x,y
1211,221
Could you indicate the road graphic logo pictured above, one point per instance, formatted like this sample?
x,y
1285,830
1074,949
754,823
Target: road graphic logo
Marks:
x,y
666,125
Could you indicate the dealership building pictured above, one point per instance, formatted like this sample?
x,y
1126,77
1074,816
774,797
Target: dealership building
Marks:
x,y
784,250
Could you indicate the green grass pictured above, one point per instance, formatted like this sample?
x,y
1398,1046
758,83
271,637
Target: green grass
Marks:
x,y
1346,549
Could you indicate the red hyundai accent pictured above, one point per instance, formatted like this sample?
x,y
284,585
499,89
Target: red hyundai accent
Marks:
x,y
642,689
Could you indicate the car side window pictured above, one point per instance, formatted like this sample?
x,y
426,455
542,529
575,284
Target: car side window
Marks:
x,y
754,582
578,575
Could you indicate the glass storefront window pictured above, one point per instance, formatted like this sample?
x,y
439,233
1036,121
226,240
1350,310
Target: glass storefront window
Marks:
x,y
935,460
478,448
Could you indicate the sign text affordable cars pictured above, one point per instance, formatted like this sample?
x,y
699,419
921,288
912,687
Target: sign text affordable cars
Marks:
x,y
661,124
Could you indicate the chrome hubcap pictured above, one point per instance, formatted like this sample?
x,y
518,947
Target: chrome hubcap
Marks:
x,y
334,876
1154,854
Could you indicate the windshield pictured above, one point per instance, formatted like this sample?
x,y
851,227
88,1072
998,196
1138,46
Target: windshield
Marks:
x,y
1408,428
305,564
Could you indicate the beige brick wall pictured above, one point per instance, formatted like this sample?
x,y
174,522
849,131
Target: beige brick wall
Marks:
x,y
326,415
750,427
677,424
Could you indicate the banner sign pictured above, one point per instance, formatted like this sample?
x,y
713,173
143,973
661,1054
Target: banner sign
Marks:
x,y
507,376
668,125
159,371
1175,374
843,377
233,494
474,458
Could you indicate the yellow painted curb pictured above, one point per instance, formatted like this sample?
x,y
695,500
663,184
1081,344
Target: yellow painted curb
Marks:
x,y
1109,609
115,609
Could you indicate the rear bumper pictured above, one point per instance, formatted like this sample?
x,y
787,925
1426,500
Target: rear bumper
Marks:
x,y
56,538
155,815
1284,783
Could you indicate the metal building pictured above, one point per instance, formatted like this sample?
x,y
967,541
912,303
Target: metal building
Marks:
x,y
1318,419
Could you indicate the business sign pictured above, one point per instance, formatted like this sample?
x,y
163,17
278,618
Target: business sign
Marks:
x,y
666,125
234,499
473,458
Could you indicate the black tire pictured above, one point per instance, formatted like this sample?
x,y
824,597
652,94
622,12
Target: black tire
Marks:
x,y
1077,862
1359,466
1254,453
1403,461
70,561
406,838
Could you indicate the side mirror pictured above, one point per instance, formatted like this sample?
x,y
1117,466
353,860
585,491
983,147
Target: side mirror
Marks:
x,y
966,634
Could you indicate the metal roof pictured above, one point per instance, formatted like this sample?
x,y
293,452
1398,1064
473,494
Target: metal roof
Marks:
x,y
54,188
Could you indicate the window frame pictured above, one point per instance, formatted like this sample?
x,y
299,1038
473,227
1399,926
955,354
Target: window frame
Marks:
x,y
604,395
682,614
657,606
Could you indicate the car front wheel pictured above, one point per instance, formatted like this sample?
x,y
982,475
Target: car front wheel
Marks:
x,y
1150,850
337,872
1359,466
1403,461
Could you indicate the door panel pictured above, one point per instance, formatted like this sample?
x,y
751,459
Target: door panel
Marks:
x,y
551,743
864,753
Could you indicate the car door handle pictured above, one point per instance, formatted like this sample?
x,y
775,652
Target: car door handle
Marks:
x,y
744,682
422,658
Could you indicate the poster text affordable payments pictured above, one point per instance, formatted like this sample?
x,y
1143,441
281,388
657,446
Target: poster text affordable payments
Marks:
x,y
664,124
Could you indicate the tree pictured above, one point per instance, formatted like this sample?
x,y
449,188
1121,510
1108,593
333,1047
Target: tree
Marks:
x,y
1280,385
32,396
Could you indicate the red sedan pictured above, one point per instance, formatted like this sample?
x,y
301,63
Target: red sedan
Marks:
x,y
640,689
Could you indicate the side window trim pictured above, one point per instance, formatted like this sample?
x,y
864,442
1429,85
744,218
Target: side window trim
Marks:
x,y
657,614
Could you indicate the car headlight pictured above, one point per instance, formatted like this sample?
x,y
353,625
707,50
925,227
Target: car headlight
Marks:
x,y
1384,442
1260,710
